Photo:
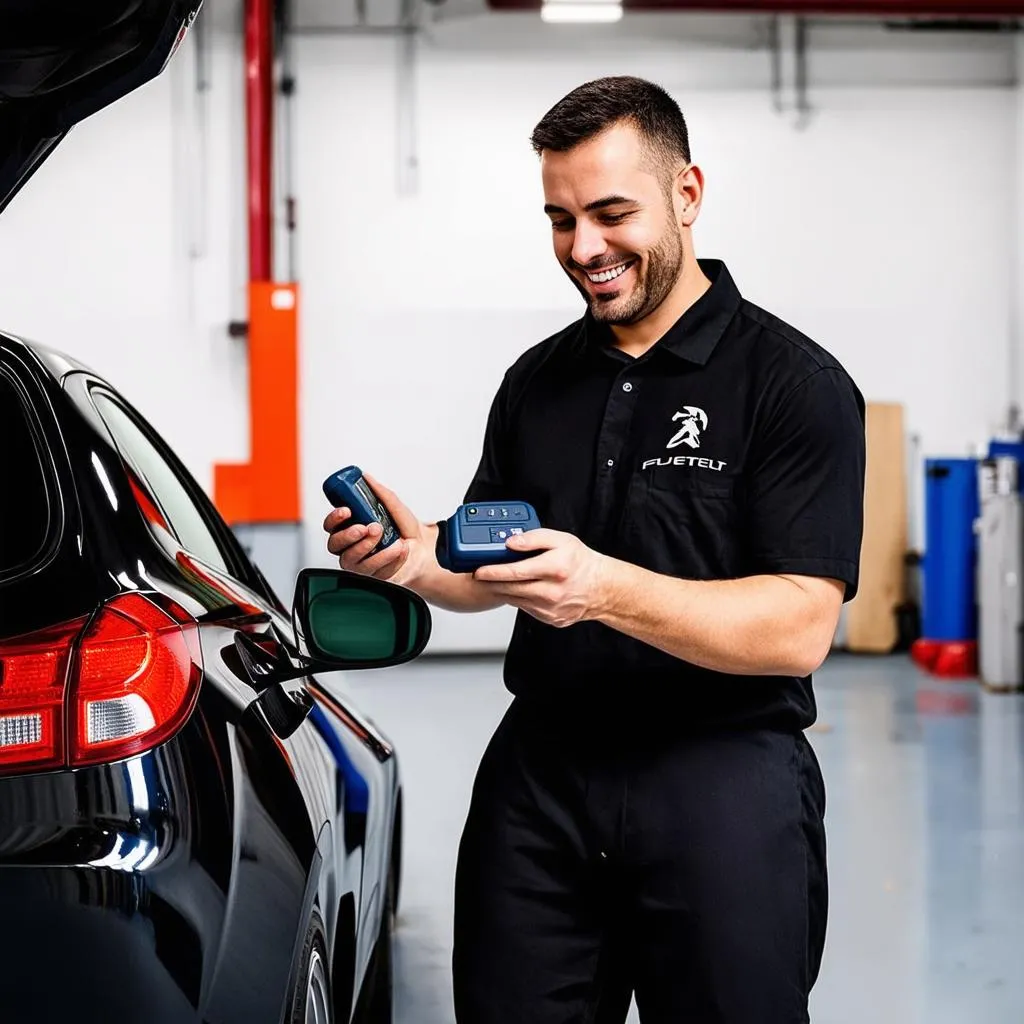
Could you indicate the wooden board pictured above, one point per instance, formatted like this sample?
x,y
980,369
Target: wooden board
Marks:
x,y
870,618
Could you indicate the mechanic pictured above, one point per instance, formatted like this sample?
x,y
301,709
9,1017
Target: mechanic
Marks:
x,y
648,817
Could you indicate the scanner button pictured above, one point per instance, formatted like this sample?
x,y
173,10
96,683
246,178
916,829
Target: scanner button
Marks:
x,y
516,531
627,386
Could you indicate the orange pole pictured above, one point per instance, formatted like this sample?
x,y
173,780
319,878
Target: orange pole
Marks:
x,y
266,488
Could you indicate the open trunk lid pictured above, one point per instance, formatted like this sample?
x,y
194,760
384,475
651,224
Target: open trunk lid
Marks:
x,y
63,60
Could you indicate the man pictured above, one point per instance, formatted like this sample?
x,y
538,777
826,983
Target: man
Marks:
x,y
648,817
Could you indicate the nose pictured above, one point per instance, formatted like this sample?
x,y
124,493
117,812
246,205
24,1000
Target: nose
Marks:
x,y
588,243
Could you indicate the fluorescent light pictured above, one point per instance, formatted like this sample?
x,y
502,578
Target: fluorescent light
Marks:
x,y
574,11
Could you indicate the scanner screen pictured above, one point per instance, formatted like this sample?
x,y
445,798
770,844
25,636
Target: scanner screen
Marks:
x,y
373,502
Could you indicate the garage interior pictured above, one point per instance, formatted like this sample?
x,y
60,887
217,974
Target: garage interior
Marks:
x,y
322,226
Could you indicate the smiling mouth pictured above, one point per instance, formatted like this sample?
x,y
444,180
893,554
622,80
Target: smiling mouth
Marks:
x,y
609,274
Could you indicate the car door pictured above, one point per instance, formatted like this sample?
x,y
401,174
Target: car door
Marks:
x,y
336,758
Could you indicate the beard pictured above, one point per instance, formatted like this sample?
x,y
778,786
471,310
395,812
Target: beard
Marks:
x,y
664,265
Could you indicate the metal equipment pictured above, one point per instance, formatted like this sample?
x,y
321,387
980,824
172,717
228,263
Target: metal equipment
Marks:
x,y
1000,567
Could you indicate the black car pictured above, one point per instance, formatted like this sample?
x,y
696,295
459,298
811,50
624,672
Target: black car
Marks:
x,y
195,822
193,825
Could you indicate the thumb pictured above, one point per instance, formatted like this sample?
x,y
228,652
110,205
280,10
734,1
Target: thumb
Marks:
x,y
402,516
535,540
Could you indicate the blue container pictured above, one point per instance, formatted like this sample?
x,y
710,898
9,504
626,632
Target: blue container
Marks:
x,y
949,600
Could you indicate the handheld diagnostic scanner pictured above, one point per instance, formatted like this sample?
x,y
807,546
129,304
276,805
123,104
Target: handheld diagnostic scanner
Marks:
x,y
348,488
475,535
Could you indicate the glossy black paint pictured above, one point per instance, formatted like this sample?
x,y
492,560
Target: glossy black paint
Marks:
x,y
178,885
62,61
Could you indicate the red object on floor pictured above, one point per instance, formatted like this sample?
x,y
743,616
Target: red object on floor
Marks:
x,y
950,659
946,702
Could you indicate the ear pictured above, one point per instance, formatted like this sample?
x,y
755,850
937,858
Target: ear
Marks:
x,y
689,193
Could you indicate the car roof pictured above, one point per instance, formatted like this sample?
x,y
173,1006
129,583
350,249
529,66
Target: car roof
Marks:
x,y
58,363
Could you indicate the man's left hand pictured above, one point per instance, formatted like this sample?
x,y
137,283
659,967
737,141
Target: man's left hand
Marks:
x,y
560,585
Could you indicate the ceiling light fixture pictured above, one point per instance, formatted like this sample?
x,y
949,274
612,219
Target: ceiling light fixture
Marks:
x,y
579,11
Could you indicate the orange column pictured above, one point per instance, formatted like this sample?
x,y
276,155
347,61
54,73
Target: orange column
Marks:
x,y
266,489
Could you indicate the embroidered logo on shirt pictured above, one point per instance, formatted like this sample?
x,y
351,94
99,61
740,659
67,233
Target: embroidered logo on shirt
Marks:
x,y
694,421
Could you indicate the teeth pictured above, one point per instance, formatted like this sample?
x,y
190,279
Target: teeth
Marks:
x,y
609,275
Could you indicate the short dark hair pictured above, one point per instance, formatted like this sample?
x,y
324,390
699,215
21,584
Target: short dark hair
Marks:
x,y
596,106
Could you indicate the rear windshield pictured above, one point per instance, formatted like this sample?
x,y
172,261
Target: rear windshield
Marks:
x,y
24,504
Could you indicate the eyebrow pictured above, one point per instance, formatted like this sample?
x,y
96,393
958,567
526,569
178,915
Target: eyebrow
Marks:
x,y
597,204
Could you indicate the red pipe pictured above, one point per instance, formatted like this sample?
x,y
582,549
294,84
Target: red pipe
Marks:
x,y
893,8
259,30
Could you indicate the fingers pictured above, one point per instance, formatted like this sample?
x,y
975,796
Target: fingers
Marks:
x,y
539,567
355,544
408,525
354,553
386,563
352,542
335,518
537,540
342,539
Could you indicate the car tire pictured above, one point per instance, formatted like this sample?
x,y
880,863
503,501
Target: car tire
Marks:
x,y
379,1003
311,1000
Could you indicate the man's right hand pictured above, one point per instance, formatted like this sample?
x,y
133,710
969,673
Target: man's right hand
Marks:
x,y
403,562
409,562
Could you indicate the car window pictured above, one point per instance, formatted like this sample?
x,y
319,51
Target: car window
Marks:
x,y
24,502
162,497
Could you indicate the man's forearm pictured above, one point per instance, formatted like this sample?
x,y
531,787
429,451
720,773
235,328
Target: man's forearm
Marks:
x,y
456,592
760,625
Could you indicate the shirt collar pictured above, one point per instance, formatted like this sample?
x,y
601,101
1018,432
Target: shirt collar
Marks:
x,y
696,333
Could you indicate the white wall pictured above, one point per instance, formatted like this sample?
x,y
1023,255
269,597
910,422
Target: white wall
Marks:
x,y
885,230
882,231
130,256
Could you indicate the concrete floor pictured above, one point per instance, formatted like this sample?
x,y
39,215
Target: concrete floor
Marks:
x,y
925,821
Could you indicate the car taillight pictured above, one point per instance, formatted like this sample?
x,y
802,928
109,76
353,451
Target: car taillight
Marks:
x,y
130,683
33,681
135,679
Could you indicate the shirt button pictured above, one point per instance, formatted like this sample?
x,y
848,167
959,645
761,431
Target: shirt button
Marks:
x,y
611,462
627,386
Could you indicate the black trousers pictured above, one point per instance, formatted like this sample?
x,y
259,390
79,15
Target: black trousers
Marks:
x,y
599,861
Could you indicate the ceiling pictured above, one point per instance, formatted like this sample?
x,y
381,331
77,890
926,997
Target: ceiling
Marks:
x,y
465,24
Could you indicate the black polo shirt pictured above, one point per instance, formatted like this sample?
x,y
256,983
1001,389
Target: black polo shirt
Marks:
x,y
733,447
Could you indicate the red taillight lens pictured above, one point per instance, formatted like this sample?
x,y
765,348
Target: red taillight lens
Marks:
x,y
131,684
33,677
135,680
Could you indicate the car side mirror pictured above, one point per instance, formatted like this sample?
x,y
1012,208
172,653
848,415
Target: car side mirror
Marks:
x,y
344,620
